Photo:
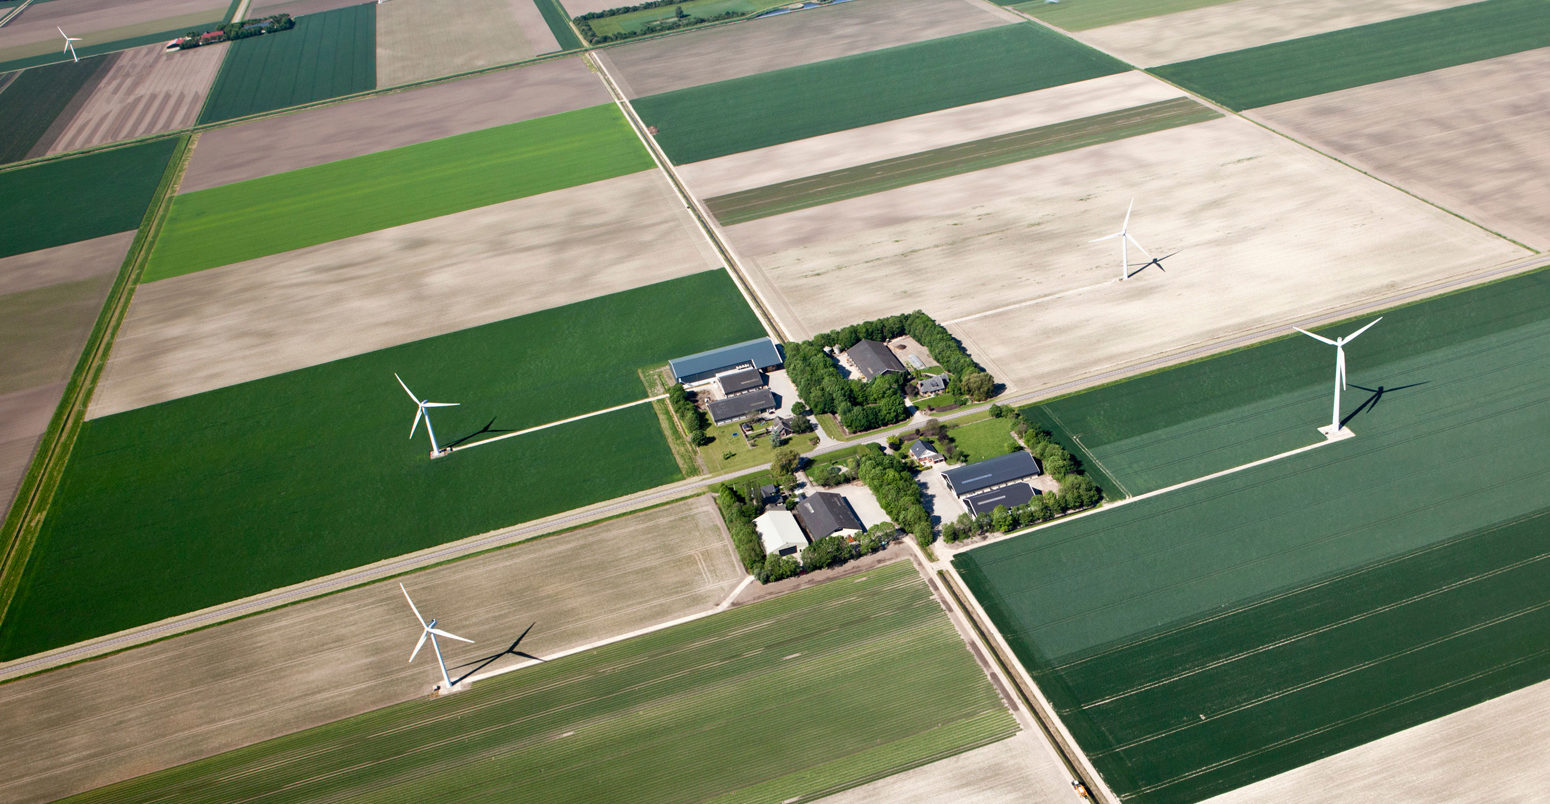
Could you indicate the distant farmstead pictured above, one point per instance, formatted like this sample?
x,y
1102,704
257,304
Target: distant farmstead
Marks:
x,y
760,354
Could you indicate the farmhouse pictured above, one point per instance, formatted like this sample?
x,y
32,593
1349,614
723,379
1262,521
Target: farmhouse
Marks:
x,y
780,533
825,514
759,353
737,381
873,359
1010,496
933,385
994,473
731,409
922,452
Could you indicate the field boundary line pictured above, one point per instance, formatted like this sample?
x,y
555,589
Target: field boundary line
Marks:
x,y
515,433
14,13
1076,439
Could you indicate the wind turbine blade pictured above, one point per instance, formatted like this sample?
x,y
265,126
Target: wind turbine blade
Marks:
x,y
1316,337
1105,237
411,606
1138,245
442,404
1353,335
439,632
406,388
1132,206
418,412
418,645
61,31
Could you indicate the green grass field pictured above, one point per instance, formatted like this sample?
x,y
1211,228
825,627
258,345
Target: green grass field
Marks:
x,y
781,699
1222,633
1083,15
326,55
756,111
1004,149
286,211
174,507
116,187
1314,65
34,99
990,438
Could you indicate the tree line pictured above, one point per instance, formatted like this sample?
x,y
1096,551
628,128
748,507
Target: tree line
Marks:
x,y
740,509
232,31
680,19
692,417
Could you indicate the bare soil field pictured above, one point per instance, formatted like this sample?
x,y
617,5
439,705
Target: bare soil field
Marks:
x,y
24,415
1016,770
254,319
1252,229
1490,751
423,39
98,21
145,91
912,135
1242,24
1469,138
331,133
68,263
789,40
325,659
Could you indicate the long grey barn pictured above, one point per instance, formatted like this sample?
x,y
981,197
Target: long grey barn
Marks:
x,y
1010,496
759,353
977,477
741,406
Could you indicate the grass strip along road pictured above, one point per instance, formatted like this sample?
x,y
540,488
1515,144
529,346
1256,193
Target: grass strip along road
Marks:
x,y
1367,54
69,200
326,55
269,215
210,498
1203,639
889,174
756,111
781,699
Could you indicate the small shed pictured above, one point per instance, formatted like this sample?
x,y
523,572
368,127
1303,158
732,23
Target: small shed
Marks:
x,y
780,533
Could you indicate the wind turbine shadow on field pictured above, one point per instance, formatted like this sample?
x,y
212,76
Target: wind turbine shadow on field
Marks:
x,y
1157,261
1371,403
480,664
487,429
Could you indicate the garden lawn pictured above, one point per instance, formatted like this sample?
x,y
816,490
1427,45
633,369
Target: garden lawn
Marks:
x,y
757,111
269,215
1367,54
777,700
112,190
171,508
1218,634
32,101
990,438
326,55
1082,15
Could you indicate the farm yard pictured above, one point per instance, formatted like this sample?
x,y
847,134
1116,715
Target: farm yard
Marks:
x,y
424,39
1464,137
695,711
338,656
1241,627
325,56
326,134
279,313
300,208
103,25
141,92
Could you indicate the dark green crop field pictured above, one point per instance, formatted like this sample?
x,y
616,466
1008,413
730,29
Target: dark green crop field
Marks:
x,y
1353,57
191,503
264,216
889,174
1082,15
326,55
773,701
756,111
1218,634
81,197
35,98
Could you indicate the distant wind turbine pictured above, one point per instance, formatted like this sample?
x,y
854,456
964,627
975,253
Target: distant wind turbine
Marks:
x,y
1339,344
1125,240
420,412
430,631
70,48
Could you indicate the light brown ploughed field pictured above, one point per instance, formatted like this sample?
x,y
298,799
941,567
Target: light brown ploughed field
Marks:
x,y
241,322
97,21
325,659
49,300
1017,770
317,136
1494,751
146,91
700,57
1265,231
1242,24
1474,138
422,39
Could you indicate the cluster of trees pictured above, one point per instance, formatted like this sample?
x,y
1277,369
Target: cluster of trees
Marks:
x,y
894,486
681,19
832,551
237,30
739,511
692,417
968,377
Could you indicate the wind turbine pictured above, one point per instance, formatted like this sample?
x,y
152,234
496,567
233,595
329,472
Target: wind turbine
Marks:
x,y
431,631
420,411
68,39
1339,344
1124,242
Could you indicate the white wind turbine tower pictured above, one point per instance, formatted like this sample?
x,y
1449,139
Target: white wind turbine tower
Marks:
x,y
421,405
431,631
70,48
1339,344
1124,242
